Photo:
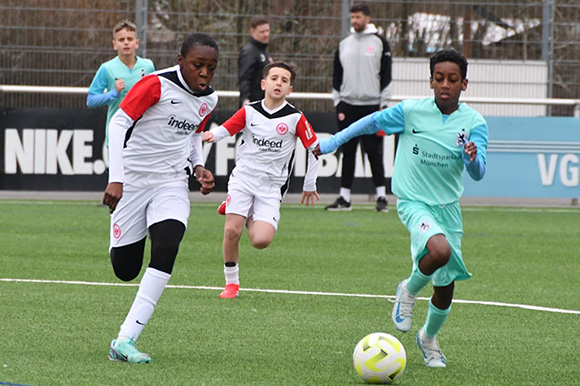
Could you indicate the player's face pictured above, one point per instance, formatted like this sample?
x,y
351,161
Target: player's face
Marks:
x,y
359,21
447,85
198,67
261,33
125,43
277,84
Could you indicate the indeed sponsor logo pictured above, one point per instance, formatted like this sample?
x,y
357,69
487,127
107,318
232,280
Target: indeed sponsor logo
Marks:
x,y
262,142
183,127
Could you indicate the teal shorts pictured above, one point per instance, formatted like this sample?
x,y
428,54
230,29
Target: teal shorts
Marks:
x,y
425,221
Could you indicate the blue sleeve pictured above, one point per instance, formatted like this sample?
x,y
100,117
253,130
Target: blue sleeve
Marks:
x,y
390,120
96,97
476,169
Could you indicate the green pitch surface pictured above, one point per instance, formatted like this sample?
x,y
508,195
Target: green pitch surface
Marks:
x,y
324,283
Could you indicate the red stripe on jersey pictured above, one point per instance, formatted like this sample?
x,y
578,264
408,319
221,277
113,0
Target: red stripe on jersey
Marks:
x,y
236,122
142,95
304,132
202,124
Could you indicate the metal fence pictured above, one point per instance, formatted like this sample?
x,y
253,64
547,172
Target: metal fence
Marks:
x,y
63,42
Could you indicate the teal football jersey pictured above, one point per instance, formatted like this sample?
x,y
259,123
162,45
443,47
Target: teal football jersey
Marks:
x,y
115,69
429,160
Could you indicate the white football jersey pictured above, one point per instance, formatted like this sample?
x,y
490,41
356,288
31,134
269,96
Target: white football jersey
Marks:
x,y
163,128
269,141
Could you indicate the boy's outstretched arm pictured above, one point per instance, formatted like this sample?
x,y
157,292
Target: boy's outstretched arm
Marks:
x,y
391,120
231,127
365,125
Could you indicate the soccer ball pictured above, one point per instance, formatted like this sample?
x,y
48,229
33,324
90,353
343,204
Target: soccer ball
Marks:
x,y
379,358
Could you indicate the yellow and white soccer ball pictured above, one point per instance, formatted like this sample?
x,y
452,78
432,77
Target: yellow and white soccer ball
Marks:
x,y
379,358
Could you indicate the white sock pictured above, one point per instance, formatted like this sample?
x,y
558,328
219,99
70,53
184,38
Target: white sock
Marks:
x,y
345,193
152,285
381,191
232,274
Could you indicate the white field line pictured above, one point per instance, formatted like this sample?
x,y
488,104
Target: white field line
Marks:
x,y
389,297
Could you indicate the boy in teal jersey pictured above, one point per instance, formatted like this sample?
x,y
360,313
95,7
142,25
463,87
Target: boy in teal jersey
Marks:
x,y
119,74
438,137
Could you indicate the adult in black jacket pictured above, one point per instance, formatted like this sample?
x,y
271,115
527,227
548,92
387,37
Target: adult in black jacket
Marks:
x,y
253,58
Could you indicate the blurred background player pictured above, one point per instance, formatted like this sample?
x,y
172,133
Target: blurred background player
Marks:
x,y
362,74
438,138
119,74
265,159
253,58
155,146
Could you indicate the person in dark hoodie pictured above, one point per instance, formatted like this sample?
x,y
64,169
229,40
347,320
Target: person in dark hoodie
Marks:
x,y
253,58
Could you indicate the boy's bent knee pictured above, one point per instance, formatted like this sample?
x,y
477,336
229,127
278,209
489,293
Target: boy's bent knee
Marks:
x,y
261,234
165,239
127,260
439,250
125,274
441,256
260,242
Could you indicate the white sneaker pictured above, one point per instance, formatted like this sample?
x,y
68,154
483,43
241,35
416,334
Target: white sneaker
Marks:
x,y
431,352
403,309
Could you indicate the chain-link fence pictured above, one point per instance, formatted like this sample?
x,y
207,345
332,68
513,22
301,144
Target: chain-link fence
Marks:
x,y
63,42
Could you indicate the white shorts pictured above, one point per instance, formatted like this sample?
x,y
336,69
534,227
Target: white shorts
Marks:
x,y
139,208
262,204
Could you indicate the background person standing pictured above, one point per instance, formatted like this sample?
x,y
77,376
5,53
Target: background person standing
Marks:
x,y
119,74
253,58
362,74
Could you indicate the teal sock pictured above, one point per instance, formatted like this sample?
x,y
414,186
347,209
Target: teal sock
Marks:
x,y
435,319
417,281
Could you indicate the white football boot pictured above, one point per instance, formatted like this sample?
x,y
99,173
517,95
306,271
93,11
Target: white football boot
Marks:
x,y
431,352
403,309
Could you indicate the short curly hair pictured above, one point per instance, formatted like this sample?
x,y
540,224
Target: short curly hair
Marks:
x,y
449,56
195,39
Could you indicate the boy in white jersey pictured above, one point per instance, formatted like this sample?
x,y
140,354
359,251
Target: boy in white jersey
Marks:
x,y
265,158
155,145
438,138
